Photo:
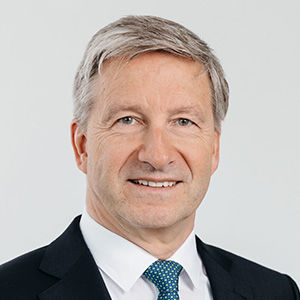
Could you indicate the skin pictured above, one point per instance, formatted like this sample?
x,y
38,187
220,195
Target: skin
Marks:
x,y
156,140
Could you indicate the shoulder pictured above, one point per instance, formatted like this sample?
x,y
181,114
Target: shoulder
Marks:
x,y
21,278
26,276
240,263
27,261
262,280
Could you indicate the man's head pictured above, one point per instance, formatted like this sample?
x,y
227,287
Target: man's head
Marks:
x,y
149,99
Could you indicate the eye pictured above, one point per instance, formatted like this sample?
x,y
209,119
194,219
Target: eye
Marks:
x,y
185,122
126,120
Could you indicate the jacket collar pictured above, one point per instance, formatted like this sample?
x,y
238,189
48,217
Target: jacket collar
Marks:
x,y
219,268
70,261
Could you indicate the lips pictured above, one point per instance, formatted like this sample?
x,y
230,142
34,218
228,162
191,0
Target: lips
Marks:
x,y
156,184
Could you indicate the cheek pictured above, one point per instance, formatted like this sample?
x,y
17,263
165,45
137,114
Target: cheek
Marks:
x,y
109,153
197,154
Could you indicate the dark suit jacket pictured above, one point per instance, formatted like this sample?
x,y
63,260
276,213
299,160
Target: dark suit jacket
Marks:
x,y
66,270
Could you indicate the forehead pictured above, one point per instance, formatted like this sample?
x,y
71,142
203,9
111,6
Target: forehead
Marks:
x,y
161,63
154,79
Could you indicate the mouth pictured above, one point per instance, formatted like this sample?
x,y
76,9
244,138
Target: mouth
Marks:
x,y
154,184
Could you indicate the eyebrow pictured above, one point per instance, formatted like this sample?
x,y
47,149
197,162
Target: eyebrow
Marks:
x,y
116,108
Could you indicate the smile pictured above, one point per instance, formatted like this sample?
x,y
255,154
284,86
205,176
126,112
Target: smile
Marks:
x,y
155,184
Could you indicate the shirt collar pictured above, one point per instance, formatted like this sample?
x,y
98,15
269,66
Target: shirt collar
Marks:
x,y
115,255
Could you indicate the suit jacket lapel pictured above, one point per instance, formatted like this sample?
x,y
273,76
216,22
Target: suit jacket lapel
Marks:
x,y
70,261
224,285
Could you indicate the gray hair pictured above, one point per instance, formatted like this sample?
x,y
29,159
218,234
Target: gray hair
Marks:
x,y
133,35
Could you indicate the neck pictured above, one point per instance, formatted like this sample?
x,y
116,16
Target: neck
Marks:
x,y
159,242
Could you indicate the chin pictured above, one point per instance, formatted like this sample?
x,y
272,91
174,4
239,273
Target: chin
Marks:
x,y
153,219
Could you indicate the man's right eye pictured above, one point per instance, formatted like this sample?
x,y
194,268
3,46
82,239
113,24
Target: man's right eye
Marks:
x,y
126,120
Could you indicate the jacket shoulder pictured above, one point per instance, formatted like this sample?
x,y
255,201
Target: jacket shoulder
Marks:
x,y
21,278
260,278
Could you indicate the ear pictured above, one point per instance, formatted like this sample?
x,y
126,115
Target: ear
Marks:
x,y
79,146
215,153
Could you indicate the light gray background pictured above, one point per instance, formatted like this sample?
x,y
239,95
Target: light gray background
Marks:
x,y
253,204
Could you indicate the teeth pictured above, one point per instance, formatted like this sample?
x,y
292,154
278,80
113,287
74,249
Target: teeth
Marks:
x,y
155,184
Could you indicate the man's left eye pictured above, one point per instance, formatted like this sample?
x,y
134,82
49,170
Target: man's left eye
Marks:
x,y
184,122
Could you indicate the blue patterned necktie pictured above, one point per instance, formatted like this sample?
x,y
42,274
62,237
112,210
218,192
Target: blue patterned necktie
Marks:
x,y
164,274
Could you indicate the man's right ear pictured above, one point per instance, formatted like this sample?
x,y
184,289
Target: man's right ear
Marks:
x,y
79,146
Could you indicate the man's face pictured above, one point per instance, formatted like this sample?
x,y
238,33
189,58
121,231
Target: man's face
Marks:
x,y
152,123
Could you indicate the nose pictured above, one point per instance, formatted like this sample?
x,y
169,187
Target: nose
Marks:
x,y
156,149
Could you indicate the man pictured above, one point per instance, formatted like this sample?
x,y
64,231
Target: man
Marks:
x,y
149,98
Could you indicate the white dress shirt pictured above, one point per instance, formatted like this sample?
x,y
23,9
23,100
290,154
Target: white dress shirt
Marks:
x,y
122,264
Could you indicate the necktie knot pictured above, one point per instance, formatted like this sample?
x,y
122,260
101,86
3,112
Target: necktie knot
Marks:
x,y
164,274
